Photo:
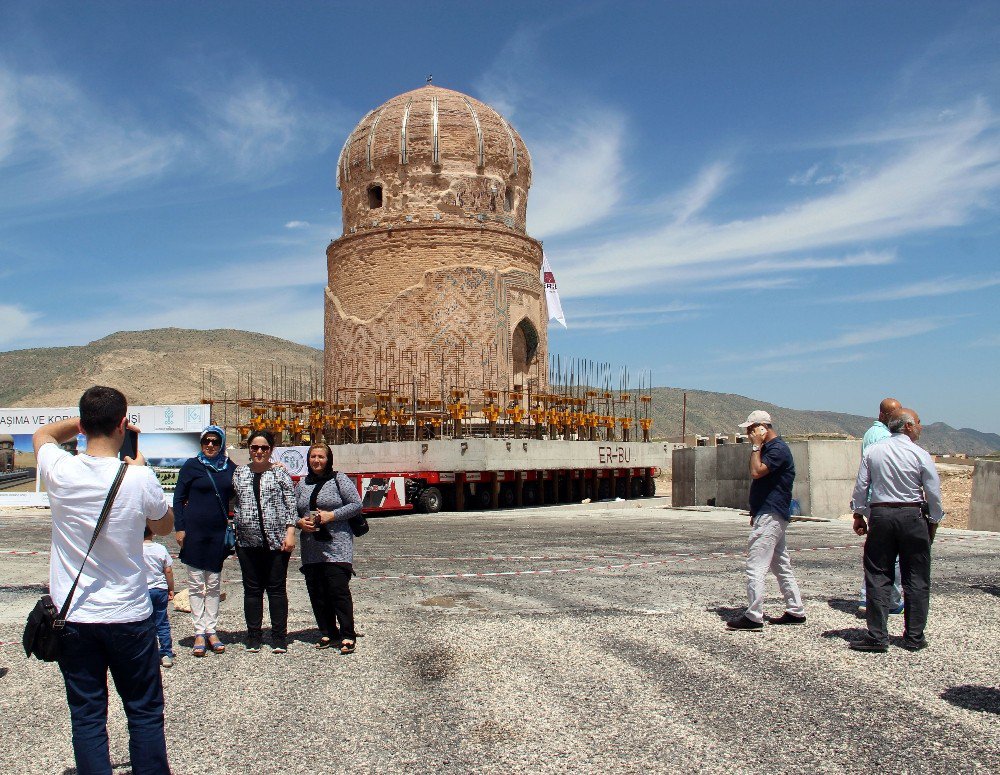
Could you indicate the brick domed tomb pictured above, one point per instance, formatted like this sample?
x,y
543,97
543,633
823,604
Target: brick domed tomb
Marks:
x,y
434,269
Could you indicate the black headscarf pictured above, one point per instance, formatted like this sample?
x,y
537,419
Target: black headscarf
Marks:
x,y
327,474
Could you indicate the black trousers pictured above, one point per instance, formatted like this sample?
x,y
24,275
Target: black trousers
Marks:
x,y
898,532
329,586
264,570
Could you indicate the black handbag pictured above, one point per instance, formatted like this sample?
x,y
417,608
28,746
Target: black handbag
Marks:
x,y
45,622
358,524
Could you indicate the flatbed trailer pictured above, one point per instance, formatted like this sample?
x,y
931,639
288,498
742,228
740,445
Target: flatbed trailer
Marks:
x,y
476,473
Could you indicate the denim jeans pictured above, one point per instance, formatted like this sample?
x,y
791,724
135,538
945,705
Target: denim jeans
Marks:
x,y
158,597
129,651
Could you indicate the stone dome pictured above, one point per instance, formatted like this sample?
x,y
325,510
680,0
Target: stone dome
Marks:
x,y
433,156
6,438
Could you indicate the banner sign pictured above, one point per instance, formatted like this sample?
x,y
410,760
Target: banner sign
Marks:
x,y
552,293
190,418
169,436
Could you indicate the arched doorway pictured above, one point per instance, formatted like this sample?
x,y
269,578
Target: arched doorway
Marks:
x,y
524,351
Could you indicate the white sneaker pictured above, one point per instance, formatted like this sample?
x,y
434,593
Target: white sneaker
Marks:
x,y
167,661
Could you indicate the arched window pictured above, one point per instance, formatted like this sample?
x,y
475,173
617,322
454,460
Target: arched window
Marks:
x,y
524,351
508,199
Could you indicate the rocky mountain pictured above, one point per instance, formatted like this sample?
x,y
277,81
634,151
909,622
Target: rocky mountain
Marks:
x,y
171,365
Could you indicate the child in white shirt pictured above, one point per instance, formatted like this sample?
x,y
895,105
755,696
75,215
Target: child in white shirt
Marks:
x,y
160,580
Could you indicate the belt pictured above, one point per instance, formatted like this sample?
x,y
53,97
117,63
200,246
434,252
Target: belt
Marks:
x,y
916,505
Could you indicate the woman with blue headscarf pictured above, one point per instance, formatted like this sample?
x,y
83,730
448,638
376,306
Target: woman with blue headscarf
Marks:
x,y
201,514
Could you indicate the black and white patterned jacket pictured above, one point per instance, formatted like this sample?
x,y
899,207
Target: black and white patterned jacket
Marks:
x,y
277,497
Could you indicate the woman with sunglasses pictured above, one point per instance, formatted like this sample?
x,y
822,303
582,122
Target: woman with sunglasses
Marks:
x,y
265,537
327,500
201,513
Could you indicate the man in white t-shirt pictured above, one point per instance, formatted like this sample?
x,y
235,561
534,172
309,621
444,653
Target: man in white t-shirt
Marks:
x,y
109,625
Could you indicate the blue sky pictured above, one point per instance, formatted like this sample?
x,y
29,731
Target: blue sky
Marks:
x,y
793,201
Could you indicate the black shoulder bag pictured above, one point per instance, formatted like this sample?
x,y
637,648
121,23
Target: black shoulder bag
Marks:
x,y
229,539
45,622
358,524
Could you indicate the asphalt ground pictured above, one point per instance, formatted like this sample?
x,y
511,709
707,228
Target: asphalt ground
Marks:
x,y
597,645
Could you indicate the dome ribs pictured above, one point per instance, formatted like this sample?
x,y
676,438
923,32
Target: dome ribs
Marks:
x,y
435,153
402,131
479,134
371,139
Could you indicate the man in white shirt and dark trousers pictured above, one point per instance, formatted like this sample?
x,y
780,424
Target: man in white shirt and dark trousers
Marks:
x,y
899,491
109,625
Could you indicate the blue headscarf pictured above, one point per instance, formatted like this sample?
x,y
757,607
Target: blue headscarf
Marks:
x,y
221,459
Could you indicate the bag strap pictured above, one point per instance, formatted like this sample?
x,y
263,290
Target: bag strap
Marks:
x,y
60,621
315,493
218,496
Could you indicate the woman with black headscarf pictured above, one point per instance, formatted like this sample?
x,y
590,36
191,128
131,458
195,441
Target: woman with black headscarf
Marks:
x,y
201,514
326,501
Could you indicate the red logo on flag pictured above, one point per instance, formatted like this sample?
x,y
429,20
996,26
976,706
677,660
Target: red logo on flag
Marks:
x,y
549,278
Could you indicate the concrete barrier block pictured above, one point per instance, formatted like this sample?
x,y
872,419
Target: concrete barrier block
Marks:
x,y
693,478
984,511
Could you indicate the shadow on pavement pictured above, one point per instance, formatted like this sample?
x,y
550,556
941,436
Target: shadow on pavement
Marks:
x,y
845,606
726,612
847,633
989,589
980,698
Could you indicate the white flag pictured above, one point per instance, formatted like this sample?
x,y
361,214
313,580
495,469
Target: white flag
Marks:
x,y
552,293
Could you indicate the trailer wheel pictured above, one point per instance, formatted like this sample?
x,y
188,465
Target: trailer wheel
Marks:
x,y
430,500
479,500
529,494
507,496
636,487
603,489
650,487
620,491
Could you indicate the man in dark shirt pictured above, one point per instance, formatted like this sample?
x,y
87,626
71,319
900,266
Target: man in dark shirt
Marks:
x,y
773,473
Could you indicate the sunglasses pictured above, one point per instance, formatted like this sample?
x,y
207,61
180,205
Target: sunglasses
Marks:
x,y
210,442
259,447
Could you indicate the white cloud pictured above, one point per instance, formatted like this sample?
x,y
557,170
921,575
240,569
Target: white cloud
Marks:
x,y
625,317
990,340
58,139
940,286
578,172
924,186
296,224
257,122
55,139
870,333
15,322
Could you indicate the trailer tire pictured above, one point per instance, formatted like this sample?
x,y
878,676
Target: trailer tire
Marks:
x,y
479,500
637,487
529,494
650,487
508,497
603,489
430,500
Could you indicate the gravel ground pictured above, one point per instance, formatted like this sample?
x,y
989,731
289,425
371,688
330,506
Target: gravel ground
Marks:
x,y
601,668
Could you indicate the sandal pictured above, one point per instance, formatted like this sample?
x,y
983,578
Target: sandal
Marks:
x,y
217,646
323,643
347,647
199,648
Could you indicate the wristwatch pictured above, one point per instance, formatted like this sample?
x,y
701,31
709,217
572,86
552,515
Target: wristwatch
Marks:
x,y
755,448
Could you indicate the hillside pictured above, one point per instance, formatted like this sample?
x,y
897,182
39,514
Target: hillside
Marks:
x,y
167,366
160,366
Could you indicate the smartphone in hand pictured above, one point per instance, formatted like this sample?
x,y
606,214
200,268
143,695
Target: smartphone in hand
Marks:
x,y
130,445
